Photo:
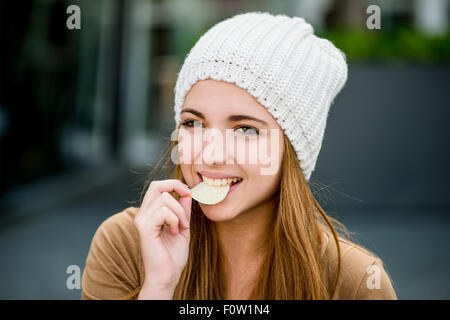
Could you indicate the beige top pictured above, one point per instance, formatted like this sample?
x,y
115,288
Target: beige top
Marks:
x,y
114,268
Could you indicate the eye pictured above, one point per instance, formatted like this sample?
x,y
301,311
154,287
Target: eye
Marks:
x,y
191,123
247,130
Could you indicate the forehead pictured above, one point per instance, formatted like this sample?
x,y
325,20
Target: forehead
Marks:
x,y
218,98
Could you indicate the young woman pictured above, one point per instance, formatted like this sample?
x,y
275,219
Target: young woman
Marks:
x,y
253,82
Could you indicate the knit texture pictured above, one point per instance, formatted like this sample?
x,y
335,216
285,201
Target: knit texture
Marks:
x,y
293,73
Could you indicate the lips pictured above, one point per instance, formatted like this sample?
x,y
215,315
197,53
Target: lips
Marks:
x,y
217,175
235,182
234,185
221,181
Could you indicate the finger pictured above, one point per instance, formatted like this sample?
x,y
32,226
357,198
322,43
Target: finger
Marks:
x,y
166,217
159,186
186,203
166,199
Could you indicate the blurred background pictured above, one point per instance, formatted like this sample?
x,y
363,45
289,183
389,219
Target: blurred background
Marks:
x,y
85,113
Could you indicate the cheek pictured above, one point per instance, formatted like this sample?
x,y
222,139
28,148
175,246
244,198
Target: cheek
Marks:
x,y
269,153
185,172
262,183
248,150
189,146
257,180
275,145
259,189
266,174
244,151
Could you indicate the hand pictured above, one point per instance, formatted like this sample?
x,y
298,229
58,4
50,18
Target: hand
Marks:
x,y
163,226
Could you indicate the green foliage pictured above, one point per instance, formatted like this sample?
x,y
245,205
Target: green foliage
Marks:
x,y
398,45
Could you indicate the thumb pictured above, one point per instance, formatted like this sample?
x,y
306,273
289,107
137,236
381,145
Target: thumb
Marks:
x,y
186,203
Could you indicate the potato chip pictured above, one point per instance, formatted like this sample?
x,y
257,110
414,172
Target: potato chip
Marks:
x,y
209,194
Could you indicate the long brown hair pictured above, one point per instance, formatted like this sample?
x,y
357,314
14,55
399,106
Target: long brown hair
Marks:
x,y
293,267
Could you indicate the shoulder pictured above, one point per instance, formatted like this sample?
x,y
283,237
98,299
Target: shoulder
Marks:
x,y
362,273
113,266
120,225
117,234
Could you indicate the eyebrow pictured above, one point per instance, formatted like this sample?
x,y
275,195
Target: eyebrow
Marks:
x,y
232,118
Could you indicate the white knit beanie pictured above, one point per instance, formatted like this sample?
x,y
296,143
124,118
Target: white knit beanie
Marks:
x,y
279,61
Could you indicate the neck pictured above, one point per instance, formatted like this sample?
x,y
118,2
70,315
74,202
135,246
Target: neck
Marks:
x,y
244,240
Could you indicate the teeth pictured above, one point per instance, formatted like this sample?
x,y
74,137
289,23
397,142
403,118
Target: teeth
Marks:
x,y
219,182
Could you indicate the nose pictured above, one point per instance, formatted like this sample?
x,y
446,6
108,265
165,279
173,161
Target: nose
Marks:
x,y
214,147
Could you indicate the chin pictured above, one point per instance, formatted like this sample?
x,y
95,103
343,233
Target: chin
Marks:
x,y
218,214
